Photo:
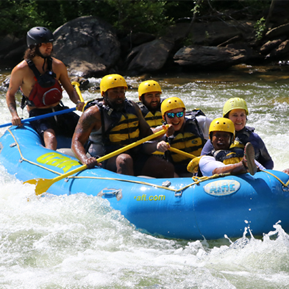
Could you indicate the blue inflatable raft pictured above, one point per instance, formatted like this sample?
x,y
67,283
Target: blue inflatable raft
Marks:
x,y
183,208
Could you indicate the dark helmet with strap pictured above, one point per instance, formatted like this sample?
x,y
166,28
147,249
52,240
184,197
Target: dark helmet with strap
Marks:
x,y
37,35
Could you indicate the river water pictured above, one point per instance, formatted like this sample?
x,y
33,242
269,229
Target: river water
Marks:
x,y
78,241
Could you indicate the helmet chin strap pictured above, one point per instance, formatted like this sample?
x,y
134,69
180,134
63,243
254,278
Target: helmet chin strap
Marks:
x,y
39,54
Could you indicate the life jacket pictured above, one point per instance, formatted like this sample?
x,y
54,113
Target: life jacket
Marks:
x,y
242,137
228,157
46,90
193,113
190,140
153,119
119,128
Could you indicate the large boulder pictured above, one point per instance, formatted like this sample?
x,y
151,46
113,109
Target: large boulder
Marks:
x,y
88,45
11,50
148,57
212,57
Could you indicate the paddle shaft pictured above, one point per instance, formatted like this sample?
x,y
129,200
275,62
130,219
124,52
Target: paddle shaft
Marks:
x,y
42,116
76,85
110,155
182,153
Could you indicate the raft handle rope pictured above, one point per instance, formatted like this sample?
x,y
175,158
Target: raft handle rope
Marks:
x,y
178,192
269,173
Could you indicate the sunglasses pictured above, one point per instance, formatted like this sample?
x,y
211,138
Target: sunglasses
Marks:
x,y
173,114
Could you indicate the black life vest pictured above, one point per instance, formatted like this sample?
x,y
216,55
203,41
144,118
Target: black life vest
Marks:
x,y
46,90
230,156
119,128
195,112
153,119
243,136
190,140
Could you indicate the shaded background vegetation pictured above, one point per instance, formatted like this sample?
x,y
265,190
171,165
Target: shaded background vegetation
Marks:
x,y
127,16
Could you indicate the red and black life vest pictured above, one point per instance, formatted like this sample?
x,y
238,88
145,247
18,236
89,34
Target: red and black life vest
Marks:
x,y
46,90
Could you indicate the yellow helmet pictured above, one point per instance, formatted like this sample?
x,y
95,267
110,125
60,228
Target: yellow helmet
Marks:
x,y
222,124
171,103
112,81
235,103
148,86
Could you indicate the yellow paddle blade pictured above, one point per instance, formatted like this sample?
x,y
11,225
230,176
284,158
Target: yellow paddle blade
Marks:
x,y
42,185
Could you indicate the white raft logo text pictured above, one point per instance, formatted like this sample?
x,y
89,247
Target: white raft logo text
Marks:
x,y
150,198
222,188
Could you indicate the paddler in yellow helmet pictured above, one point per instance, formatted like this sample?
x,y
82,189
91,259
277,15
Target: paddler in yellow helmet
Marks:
x,y
149,93
236,110
189,136
112,123
222,158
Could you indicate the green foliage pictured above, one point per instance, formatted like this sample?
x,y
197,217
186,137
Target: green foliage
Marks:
x,y
18,16
15,15
259,28
151,16
139,15
189,40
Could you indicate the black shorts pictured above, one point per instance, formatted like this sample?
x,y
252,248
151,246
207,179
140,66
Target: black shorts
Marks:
x,y
63,124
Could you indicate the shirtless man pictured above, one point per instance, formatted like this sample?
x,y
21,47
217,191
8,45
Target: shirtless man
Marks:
x,y
38,77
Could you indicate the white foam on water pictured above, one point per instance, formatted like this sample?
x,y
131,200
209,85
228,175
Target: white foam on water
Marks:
x,y
78,241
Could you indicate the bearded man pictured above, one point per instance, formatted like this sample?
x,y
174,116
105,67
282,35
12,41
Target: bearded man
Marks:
x,y
39,77
114,122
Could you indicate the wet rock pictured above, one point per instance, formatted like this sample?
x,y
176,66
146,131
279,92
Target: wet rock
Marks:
x,y
88,45
148,57
281,51
136,39
213,57
270,45
11,50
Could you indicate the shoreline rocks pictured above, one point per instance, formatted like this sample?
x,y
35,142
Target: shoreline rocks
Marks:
x,y
90,47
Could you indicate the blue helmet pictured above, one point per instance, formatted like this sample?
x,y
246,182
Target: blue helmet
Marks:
x,y
37,35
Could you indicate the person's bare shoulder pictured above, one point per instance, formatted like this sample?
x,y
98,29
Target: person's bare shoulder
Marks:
x,y
21,67
58,63
91,117
21,76
58,66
